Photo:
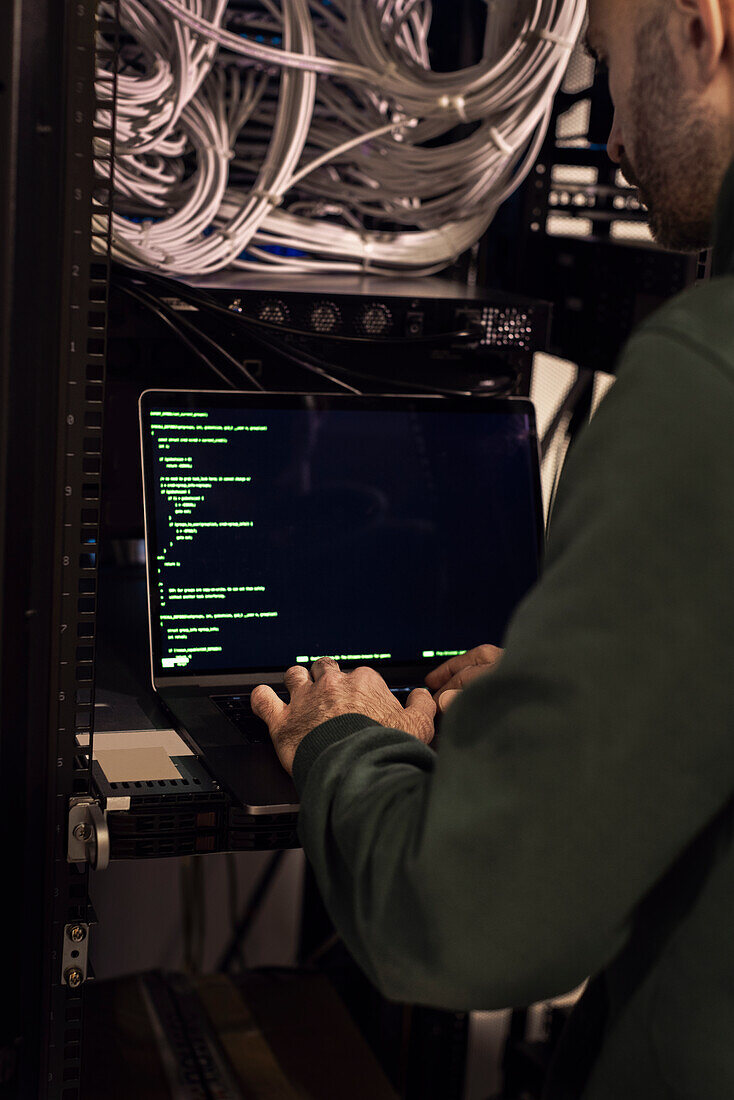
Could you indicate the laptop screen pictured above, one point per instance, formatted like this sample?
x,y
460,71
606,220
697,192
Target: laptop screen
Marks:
x,y
385,531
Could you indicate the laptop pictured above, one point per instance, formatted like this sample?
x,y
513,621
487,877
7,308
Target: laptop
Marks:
x,y
390,531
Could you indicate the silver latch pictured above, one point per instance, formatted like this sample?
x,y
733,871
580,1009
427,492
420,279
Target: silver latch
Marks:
x,y
89,837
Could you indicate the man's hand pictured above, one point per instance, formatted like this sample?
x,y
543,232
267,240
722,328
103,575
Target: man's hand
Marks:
x,y
453,675
325,693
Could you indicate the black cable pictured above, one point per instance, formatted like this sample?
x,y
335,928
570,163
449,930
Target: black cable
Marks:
x,y
313,364
240,367
298,356
253,908
198,295
318,366
302,359
401,383
574,397
230,866
560,459
578,404
181,335
280,348
156,305
161,309
305,359
323,949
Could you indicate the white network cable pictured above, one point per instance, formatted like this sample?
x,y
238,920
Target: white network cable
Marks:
x,y
312,135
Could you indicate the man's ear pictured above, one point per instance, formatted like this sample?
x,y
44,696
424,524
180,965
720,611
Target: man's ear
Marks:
x,y
702,28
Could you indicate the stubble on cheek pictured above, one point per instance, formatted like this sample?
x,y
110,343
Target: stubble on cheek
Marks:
x,y
680,151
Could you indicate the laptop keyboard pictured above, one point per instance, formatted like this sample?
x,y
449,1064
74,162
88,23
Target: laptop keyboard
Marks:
x,y
237,708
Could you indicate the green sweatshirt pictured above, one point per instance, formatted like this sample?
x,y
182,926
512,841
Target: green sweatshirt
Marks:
x,y
578,818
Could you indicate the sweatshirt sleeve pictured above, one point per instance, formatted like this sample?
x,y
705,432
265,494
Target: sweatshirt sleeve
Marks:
x,y
505,868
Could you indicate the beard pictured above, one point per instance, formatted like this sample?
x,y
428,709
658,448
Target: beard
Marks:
x,y
681,151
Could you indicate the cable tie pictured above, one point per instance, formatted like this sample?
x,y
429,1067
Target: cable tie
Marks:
x,y
500,142
367,250
460,108
145,232
268,196
454,103
556,39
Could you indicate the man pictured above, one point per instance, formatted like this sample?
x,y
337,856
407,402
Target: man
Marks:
x,y
578,818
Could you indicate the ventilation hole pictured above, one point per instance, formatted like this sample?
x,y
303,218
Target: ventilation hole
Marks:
x,y
325,317
375,320
274,311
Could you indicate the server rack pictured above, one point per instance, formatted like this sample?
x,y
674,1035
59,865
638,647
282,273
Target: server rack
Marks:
x,y
55,224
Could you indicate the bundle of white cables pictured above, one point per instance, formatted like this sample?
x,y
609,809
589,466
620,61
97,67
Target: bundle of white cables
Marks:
x,y
313,135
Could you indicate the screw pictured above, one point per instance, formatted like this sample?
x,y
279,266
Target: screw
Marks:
x,y
76,933
82,831
74,977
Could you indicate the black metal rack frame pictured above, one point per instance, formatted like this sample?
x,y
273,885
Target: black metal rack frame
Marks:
x,y
54,231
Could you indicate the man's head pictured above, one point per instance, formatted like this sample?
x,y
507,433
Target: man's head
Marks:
x,y
671,76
